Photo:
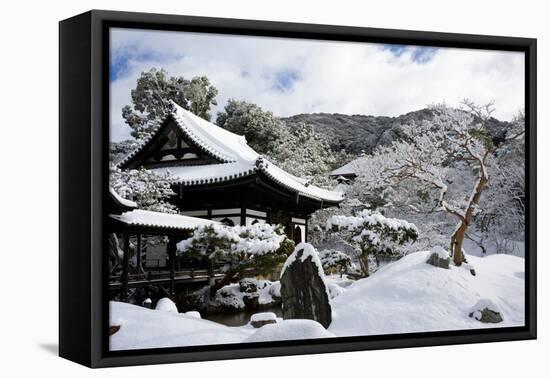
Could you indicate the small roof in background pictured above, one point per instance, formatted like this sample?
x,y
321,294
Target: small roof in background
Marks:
x,y
347,170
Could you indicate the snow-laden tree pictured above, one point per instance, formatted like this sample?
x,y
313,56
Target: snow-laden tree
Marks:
x,y
155,88
332,259
418,172
372,236
119,150
147,188
248,250
502,217
304,153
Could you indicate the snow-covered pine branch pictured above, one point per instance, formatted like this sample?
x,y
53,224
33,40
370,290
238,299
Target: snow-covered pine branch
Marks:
x,y
248,250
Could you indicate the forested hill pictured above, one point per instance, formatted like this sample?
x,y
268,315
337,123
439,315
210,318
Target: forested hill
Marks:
x,y
356,133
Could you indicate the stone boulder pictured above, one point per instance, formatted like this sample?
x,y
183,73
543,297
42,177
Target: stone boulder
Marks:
x,y
303,289
486,311
262,318
439,258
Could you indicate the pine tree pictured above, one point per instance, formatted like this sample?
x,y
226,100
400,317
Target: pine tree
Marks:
x,y
372,235
248,250
154,89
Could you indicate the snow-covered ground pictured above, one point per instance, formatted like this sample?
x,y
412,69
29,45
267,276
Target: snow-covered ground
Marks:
x,y
412,296
144,328
404,296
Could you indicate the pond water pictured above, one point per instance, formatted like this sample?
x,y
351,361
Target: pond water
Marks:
x,y
237,319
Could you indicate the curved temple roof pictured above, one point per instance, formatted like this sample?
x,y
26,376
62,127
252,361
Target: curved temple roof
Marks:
x,y
237,159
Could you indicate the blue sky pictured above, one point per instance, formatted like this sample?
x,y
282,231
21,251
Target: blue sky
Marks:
x,y
292,76
419,54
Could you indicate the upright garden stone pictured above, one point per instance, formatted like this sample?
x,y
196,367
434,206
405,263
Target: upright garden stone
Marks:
x,y
303,289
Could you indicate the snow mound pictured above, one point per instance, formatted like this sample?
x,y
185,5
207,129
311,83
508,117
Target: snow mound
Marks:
x,y
165,304
142,328
194,314
335,290
291,329
263,317
410,296
275,289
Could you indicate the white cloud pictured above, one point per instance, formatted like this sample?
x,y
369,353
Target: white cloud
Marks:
x,y
332,77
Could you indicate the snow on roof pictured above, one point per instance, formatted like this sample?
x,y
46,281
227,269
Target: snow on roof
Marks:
x,y
216,140
347,169
206,174
121,201
162,220
287,180
236,156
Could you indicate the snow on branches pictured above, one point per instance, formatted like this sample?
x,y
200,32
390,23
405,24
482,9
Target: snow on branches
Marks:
x,y
147,188
418,171
218,240
372,235
248,250
334,260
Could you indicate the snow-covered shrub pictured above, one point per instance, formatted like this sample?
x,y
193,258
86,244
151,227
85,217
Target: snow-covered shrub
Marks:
x,y
334,260
372,235
232,297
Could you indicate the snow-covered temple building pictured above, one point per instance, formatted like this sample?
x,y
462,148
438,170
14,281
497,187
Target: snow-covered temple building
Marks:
x,y
217,176
347,172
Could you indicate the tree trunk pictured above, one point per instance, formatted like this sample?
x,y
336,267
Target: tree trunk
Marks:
x,y
226,280
364,262
457,239
456,244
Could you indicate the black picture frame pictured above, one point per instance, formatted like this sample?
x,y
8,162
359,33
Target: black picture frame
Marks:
x,y
83,163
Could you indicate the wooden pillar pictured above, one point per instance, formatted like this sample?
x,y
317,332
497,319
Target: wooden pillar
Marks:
x,y
125,266
138,256
171,249
243,216
307,222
